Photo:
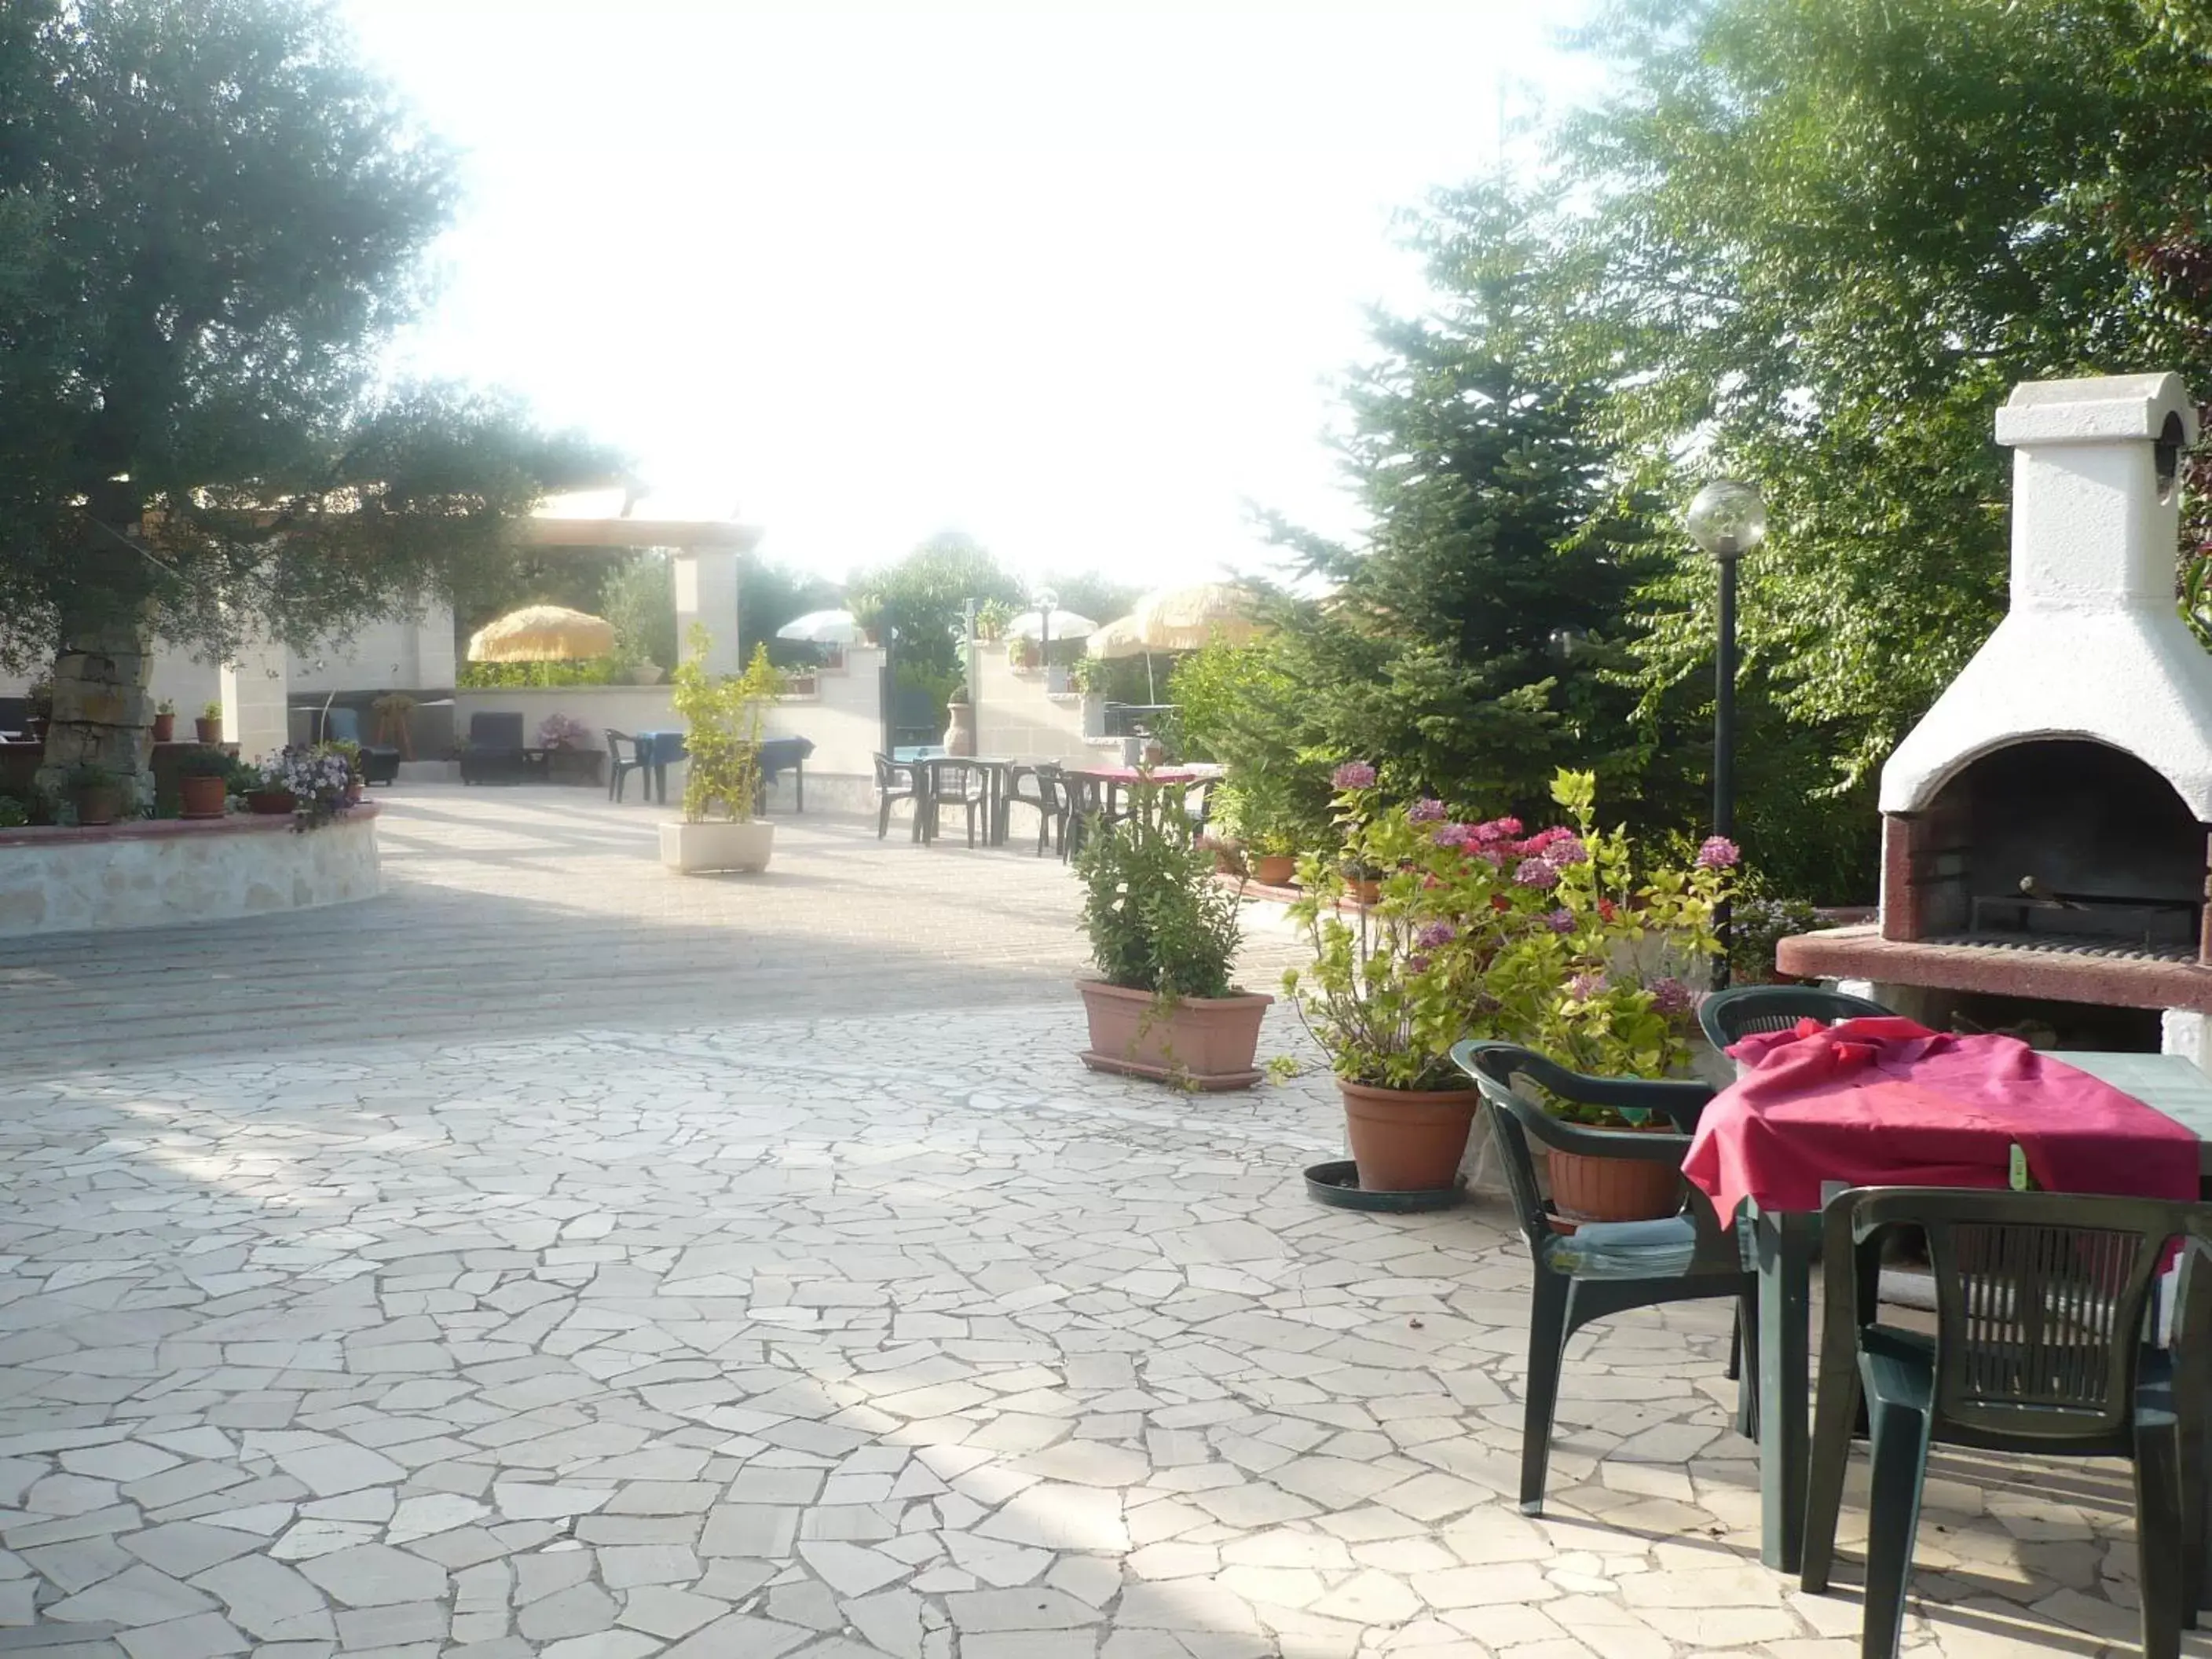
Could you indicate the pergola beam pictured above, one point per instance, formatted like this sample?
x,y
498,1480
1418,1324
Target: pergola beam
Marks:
x,y
682,533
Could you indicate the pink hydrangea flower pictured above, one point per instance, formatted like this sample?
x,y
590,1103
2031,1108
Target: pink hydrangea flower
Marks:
x,y
1583,986
1719,852
1427,810
1535,872
1353,774
1435,935
1498,829
1451,834
1567,849
1418,964
1671,997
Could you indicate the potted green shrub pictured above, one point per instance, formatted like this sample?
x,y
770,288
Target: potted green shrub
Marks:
x,y
723,715
164,721
208,728
1561,941
96,794
202,783
1163,936
992,617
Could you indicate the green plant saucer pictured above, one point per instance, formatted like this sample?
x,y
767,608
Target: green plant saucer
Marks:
x,y
1337,1185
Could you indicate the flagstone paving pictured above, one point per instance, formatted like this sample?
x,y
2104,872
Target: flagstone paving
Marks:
x,y
720,1330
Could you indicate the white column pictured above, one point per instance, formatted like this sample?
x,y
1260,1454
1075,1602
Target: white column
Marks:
x,y
435,664
707,593
253,690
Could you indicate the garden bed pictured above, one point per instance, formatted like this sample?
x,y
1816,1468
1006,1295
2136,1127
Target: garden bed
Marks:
x,y
169,872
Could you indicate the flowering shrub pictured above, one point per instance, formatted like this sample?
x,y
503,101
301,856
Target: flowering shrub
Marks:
x,y
317,780
563,731
1554,939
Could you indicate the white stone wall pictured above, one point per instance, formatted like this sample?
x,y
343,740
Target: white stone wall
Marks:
x,y
169,872
1017,713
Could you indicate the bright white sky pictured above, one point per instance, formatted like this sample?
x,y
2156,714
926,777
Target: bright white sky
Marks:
x,y
1073,275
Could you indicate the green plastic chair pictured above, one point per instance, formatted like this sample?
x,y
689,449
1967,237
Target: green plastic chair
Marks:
x,y
1602,1267
1741,1011
2040,1348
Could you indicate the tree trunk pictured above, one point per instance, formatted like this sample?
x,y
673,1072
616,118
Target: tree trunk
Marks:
x,y
103,716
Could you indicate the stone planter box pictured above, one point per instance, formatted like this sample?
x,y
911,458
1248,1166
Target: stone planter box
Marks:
x,y
688,848
173,872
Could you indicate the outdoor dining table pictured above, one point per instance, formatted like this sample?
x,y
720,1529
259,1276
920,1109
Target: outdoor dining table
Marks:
x,y
1870,1122
658,751
1102,785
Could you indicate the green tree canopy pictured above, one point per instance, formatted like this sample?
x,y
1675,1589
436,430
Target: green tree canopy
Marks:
x,y
924,597
213,217
1828,237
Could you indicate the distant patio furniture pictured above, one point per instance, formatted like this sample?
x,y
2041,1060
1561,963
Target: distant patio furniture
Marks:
x,y
2039,1348
779,755
1606,1268
620,766
380,764
661,751
896,780
958,782
494,751
1047,796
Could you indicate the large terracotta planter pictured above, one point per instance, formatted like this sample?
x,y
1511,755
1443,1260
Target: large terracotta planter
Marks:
x,y
1406,1140
201,797
1273,869
271,802
1200,1043
1586,1188
743,845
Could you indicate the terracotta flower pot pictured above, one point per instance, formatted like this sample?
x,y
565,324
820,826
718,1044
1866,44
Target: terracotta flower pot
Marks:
x,y
207,731
1406,1140
1585,1189
201,797
165,728
1365,891
269,802
1202,1042
1274,869
99,805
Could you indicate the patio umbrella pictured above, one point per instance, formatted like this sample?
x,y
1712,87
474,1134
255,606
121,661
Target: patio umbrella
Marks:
x,y
1065,625
1122,637
1186,618
822,627
542,633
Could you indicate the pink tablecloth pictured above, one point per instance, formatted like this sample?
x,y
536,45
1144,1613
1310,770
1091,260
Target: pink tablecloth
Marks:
x,y
1888,1103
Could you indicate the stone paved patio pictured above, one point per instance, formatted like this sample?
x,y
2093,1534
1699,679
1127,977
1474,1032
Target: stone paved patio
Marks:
x,y
558,1258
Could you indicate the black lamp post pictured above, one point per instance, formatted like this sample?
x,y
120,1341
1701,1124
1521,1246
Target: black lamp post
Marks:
x,y
1727,519
1045,602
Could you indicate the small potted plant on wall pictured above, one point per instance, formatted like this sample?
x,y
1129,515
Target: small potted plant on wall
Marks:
x,y
208,728
202,783
165,722
1559,940
723,715
96,794
992,617
1163,936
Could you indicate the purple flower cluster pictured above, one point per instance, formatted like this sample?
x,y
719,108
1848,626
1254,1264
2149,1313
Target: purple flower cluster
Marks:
x,y
1560,922
1583,987
1536,873
1353,774
1435,935
1669,996
1719,852
1427,810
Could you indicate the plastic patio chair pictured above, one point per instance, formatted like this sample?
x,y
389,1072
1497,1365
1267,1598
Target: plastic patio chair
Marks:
x,y
957,783
1602,1267
2040,1348
1049,800
619,768
1728,1016
896,780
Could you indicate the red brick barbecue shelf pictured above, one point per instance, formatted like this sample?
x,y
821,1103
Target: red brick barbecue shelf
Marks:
x,y
2118,982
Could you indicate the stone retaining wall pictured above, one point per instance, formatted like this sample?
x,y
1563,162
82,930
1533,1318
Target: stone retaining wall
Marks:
x,y
169,872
